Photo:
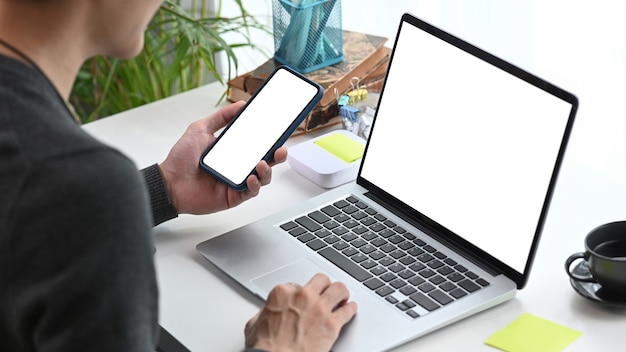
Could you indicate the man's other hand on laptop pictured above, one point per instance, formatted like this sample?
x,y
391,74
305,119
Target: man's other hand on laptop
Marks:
x,y
193,191
296,318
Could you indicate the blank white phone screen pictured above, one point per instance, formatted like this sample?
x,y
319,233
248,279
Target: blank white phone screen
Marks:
x,y
259,126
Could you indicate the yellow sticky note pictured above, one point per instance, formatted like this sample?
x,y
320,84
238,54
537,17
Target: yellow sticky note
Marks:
x,y
529,333
342,146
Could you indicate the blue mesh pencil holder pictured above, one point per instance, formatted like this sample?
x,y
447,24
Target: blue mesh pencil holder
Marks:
x,y
307,33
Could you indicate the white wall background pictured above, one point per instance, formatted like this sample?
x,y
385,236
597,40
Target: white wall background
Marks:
x,y
576,44
502,26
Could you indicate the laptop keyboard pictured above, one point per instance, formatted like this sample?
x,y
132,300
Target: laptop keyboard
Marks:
x,y
391,261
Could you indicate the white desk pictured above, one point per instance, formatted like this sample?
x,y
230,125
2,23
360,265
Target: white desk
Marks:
x,y
579,45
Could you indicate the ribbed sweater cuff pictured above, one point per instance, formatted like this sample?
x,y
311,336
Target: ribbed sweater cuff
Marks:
x,y
162,208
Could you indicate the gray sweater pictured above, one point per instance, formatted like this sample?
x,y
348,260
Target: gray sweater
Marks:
x,y
76,264
76,218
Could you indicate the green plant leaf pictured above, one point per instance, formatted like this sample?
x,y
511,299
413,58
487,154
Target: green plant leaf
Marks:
x,y
180,53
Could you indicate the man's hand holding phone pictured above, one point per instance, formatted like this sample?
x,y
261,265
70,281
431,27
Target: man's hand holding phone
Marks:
x,y
261,127
193,191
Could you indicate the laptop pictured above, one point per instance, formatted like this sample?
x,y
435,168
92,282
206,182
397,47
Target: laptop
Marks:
x,y
446,213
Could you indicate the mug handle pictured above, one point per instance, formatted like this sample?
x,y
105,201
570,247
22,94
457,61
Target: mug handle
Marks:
x,y
568,264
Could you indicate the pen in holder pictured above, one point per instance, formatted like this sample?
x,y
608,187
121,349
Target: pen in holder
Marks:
x,y
307,33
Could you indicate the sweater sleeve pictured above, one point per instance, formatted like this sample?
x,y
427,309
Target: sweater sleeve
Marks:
x,y
162,209
86,278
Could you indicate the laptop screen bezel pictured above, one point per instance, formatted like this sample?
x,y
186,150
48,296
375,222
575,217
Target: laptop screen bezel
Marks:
x,y
435,229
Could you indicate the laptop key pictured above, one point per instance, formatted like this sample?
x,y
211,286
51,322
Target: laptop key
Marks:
x,y
350,251
377,255
288,225
425,257
426,287
308,223
368,264
391,299
378,270
379,242
369,235
361,205
297,231
359,257
322,233
458,293
350,223
419,242
412,313
440,255
388,277
446,270
373,283
352,199
417,267
349,237
331,239
350,209
440,297
341,217
341,203
345,264
367,249
397,254
341,245
430,249
437,279
406,245
306,237
447,286
482,282
358,243
471,275
319,216
368,221
316,244
331,224
359,215
416,280
426,273
402,306
340,230
360,229
384,291
408,290
455,277
450,261
331,211
406,274
435,264
424,301
407,260
468,285
397,283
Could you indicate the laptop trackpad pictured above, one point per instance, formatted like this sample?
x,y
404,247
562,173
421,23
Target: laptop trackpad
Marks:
x,y
298,272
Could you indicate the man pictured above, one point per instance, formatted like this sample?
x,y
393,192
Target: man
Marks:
x,y
76,267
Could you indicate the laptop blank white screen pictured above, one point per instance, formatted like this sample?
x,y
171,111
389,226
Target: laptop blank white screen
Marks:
x,y
465,143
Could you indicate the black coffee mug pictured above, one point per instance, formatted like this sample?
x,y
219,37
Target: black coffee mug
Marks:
x,y
605,254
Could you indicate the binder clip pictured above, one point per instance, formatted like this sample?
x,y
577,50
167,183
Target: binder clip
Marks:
x,y
347,105
357,93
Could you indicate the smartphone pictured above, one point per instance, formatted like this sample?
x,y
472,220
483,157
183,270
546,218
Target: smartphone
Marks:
x,y
266,121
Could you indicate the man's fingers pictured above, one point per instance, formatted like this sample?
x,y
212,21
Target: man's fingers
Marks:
x,y
223,116
319,283
345,312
